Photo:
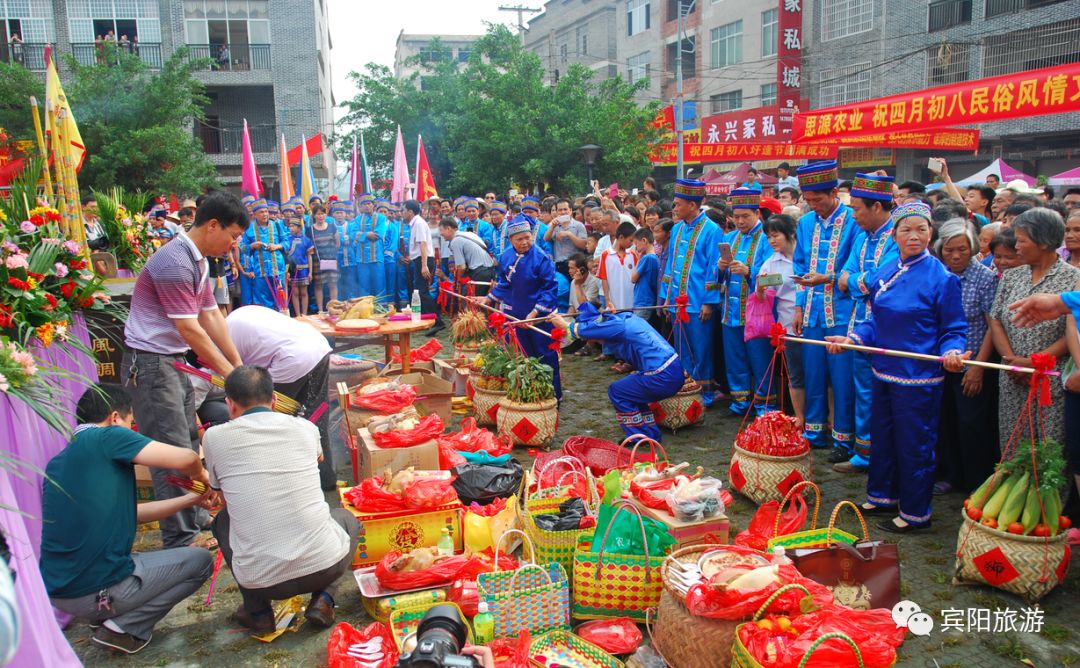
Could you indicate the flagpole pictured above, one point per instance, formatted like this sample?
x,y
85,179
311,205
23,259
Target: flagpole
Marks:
x,y
416,181
353,169
41,147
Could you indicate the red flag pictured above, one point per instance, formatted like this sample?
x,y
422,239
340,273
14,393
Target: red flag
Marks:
x,y
425,180
314,147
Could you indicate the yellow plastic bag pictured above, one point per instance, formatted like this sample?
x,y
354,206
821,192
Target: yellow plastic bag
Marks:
x,y
482,532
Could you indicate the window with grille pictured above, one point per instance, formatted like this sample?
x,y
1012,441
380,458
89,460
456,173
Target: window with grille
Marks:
x,y
637,16
730,101
947,64
33,21
638,66
1032,48
770,35
844,85
726,42
768,94
843,18
689,57
945,14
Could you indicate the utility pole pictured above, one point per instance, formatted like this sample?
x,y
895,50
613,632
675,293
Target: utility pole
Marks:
x,y
684,9
520,9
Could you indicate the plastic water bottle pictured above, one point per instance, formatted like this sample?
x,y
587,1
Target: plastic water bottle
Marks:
x,y
779,555
483,625
415,306
445,544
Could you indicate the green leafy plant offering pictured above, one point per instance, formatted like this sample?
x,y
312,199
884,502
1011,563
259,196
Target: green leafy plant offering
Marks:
x,y
495,363
530,381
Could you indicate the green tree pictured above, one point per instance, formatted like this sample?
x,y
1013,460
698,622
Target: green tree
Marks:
x,y
136,123
495,121
17,85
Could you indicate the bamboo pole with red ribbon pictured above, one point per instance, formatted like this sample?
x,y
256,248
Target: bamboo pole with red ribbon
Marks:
x,y
512,320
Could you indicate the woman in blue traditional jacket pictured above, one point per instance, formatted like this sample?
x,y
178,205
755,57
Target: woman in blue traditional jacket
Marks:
x,y
917,308
658,374
527,289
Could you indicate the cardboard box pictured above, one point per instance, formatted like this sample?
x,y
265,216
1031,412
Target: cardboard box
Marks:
x,y
689,533
433,395
402,531
458,377
371,460
394,368
144,484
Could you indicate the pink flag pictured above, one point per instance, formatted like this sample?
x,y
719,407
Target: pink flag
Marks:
x,y
250,182
354,170
399,192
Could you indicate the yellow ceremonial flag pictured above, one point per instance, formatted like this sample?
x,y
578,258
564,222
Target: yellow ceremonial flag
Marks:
x,y
286,175
307,179
59,121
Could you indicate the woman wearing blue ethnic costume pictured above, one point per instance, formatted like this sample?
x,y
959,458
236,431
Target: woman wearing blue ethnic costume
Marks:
x,y
916,308
658,373
526,289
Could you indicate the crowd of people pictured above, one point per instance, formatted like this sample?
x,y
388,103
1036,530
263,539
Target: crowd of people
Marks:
x,y
663,289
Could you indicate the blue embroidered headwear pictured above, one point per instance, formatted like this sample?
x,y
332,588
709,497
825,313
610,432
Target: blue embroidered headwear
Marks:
x,y
471,204
314,198
365,198
520,223
529,202
872,186
745,198
911,209
247,199
498,206
818,176
691,190
258,204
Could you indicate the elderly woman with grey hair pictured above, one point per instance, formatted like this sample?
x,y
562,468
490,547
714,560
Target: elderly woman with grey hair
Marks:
x,y
1039,234
968,437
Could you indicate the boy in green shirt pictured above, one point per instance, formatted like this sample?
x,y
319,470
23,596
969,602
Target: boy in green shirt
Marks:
x,y
89,513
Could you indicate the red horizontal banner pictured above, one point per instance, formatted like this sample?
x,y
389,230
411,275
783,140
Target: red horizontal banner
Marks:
x,y
1050,90
314,147
745,152
945,139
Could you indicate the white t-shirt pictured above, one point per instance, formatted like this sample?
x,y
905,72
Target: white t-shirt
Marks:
x,y
419,232
785,293
288,349
616,271
266,465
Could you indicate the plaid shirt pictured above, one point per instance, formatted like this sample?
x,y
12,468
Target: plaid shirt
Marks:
x,y
978,284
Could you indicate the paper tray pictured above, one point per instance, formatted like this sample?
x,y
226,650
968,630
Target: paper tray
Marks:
x,y
370,587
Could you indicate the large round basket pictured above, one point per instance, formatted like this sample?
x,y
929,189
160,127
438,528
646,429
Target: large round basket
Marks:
x,y
682,638
350,371
682,410
1028,566
529,424
485,404
469,349
763,478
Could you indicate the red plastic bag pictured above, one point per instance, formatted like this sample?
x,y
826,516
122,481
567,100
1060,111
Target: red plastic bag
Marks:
x,y
511,652
430,493
449,457
386,401
490,510
458,567
705,600
873,631
615,636
424,353
473,439
430,427
464,593
484,562
370,497
425,492
762,525
759,315
344,635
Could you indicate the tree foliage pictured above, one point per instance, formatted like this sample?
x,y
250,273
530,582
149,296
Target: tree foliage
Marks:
x,y
136,123
17,85
494,121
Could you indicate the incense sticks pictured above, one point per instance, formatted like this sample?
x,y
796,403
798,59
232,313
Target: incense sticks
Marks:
x,y
282,403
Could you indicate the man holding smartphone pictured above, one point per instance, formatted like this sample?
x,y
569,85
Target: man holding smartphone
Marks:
x,y
566,236
824,240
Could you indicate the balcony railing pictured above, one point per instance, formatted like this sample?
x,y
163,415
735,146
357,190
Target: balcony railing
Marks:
x,y
31,56
948,13
216,141
232,57
999,7
92,53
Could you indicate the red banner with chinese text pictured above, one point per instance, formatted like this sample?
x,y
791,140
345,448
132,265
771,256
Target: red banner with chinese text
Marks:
x,y
747,152
942,139
789,62
1050,90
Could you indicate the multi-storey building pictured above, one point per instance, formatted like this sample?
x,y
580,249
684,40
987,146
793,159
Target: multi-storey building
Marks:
x,y
413,51
254,72
861,49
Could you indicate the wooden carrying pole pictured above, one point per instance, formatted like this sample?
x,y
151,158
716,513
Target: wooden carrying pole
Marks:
x,y
495,310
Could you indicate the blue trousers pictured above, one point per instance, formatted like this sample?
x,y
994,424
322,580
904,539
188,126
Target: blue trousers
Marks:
x,y
245,290
693,341
390,287
864,401
747,364
262,292
631,396
904,429
371,280
403,294
347,284
824,371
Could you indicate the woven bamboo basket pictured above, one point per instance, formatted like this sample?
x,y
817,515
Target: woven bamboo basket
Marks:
x,y
685,409
529,424
470,349
763,478
1028,566
683,639
485,404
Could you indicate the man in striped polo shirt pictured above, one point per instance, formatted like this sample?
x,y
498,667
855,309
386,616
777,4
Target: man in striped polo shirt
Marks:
x,y
173,310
